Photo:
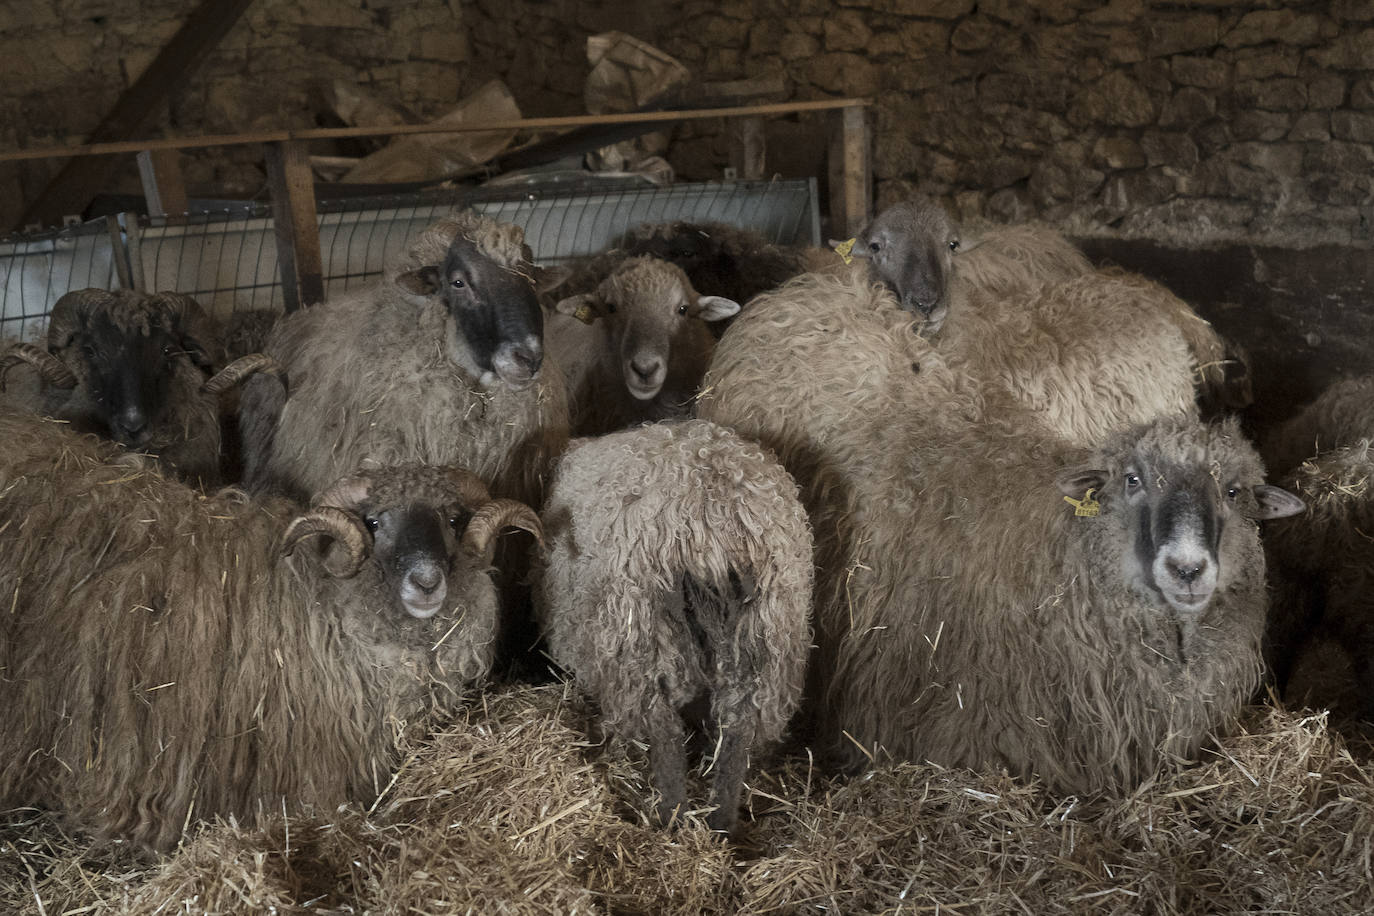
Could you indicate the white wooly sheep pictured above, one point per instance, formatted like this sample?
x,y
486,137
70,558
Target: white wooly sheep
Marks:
x,y
438,363
635,349
1340,416
678,566
162,661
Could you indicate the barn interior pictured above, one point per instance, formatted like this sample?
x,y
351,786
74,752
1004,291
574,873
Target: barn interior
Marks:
x,y
1224,148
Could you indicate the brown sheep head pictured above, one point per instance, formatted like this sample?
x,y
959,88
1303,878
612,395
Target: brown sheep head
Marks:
x,y
910,249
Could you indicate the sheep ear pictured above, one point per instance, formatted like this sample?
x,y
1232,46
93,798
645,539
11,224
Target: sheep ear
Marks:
x,y
1076,482
423,281
1276,502
716,308
547,279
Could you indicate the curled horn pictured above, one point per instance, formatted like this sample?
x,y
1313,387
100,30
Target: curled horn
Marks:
x,y
71,312
243,367
488,521
50,368
193,326
468,487
345,493
344,528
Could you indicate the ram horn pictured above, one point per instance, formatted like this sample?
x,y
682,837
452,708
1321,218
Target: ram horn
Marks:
x,y
467,487
345,493
70,313
488,521
51,369
194,327
240,369
344,528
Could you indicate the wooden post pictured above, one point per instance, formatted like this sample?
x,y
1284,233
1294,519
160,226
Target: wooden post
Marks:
x,y
747,148
163,185
298,230
851,172
118,253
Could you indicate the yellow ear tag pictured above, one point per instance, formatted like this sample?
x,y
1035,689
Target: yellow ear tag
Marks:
x,y
1087,507
583,313
844,248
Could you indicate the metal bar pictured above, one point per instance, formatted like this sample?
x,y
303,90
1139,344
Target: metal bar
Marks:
x,y
164,187
118,254
297,225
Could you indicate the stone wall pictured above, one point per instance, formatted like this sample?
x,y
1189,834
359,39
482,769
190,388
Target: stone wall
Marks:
x,y
1203,121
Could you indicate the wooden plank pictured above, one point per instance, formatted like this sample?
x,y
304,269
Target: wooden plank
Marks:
x,y
297,226
397,130
747,148
163,185
136,110
851,172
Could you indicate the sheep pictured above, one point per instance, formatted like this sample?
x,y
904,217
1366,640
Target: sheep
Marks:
x,y
439,362
678,567
136,368
987,624
1340,416
636,348
162,661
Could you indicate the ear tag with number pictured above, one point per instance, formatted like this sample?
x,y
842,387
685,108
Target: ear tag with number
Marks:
x,y
1087,507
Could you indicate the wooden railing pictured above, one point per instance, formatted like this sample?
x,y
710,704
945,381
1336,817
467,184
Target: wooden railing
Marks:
x,y
291,182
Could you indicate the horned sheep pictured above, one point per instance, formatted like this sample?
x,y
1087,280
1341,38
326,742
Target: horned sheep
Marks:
x,y
635,349
678,567
439,362
162,661
136,368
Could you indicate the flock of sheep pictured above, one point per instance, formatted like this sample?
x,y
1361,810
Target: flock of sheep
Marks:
x,y
970,501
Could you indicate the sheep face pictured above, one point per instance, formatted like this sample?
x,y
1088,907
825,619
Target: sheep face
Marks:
x,y
648,308
1178,498
910,249
495,309
133,357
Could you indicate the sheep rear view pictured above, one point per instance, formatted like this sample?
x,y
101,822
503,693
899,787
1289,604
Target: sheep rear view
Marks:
x,y
678,567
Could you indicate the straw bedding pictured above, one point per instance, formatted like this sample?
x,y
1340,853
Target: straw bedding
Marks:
x,y
516,807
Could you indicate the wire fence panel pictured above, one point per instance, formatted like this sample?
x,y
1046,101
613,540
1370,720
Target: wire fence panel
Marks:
x,y
227,259
39,268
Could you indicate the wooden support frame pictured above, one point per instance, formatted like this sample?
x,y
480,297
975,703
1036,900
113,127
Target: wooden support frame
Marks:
x,y
748,148
851,172
163,185
297,224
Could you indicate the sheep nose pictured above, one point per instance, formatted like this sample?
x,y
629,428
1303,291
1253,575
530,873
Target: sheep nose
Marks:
x,y
131,421
646,367
527,357
1187,572
427,580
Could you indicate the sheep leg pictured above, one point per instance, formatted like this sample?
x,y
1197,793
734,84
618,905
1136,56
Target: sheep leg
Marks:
x,y
732,760
667,757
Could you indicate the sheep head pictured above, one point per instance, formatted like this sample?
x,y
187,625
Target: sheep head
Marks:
x,y
648,305
493,304
1173,494
419,525
910,249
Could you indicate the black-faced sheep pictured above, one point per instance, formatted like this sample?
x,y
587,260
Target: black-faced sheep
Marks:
x,y
678,567
134,367
438,363
988,624
635,349
162,661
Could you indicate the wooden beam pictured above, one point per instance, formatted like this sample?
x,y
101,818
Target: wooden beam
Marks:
x,y
747,148
851,172
136,110
163,185
399,130
297,226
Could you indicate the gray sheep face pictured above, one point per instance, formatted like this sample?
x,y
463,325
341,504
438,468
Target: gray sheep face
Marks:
x,y
910,249
1175,502
495,309
132,356
649,308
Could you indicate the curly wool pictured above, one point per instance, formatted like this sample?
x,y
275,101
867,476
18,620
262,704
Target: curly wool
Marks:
x,y
162,662
634,516
373,384
986,626
1340,416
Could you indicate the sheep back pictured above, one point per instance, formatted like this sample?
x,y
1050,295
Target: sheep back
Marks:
x,y
1340,416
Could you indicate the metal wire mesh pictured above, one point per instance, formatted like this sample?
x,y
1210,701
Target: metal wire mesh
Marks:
x,y
227,259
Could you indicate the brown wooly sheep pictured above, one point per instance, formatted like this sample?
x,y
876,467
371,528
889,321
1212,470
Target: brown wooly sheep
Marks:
x,y
162,661
678,566
1340,416
990,627
438,362
137,369
635,349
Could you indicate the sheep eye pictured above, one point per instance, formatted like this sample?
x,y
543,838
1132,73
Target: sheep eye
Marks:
x,y
455,522
167,350
371,523
1132,481
457,283
874,247
953,244
682,309
610,307
1232,492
